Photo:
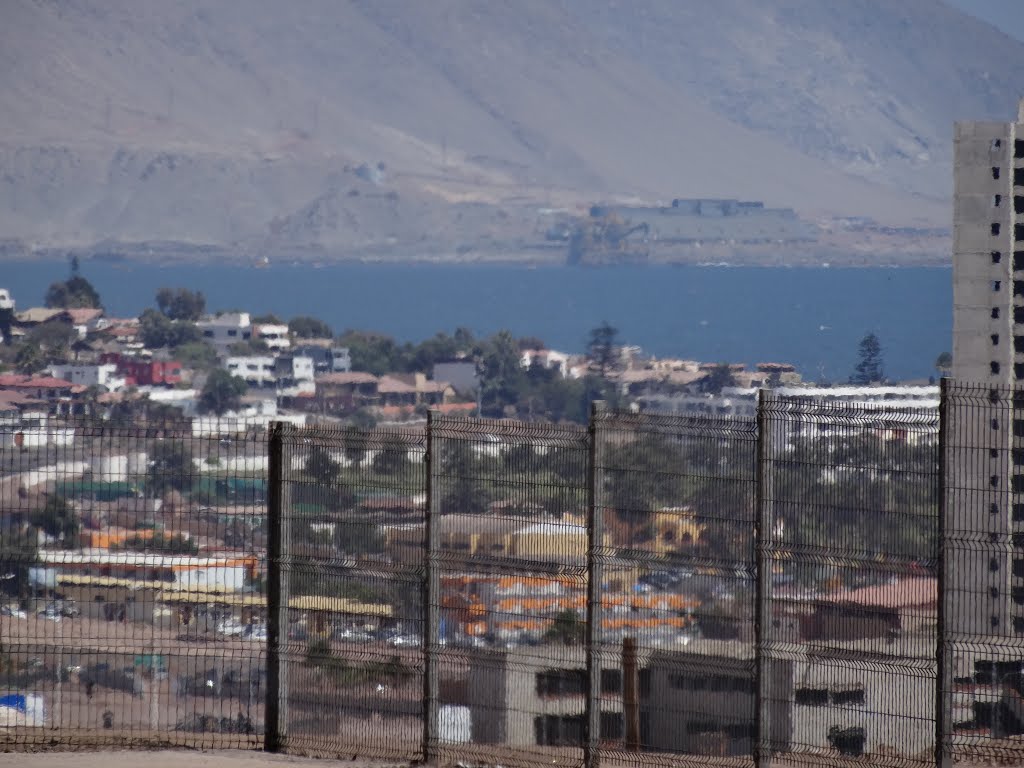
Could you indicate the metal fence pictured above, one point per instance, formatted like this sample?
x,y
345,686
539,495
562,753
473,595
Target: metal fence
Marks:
x,y
822,583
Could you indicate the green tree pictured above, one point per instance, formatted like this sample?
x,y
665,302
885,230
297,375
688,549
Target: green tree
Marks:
x,y
29,357
355,445
181,303
567,628
392,458
156,330
601,347
6,321
870,368
944,364
374,353
221,393
170,467
54,339
74,293
267,319
717,378
59,520
306,327
197,355
320,467
502,377
173,544
18,553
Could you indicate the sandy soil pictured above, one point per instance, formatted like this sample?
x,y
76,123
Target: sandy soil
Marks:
x,y
169,759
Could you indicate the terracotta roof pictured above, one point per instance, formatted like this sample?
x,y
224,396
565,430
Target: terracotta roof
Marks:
x,y
46,382
36,314
392,386
350,377
904,593
79,316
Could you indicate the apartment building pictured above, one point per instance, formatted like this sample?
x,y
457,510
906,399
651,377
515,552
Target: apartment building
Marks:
x,y
986,596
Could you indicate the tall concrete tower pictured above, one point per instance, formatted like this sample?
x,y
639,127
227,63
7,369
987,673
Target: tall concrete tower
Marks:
x,y
985,515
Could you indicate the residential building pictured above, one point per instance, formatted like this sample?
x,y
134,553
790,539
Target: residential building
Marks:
x,y
105,375
226,572
546,358
987,579
273,334
140,372
294,374
6,300
255,370
226,329
460,373
327,359
62,398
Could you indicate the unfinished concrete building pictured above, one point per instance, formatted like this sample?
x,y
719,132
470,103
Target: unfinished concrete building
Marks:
x,y
985,598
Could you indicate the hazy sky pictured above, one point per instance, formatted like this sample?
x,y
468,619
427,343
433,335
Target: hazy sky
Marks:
x,y
1007,15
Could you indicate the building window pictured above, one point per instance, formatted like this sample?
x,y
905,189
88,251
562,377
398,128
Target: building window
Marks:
x,y
1017,483
1018,371
812,697
1018,287
995,339
994,367
1018,148
1018,513
995,172
849,697
1018,204
1018,260
994,481
995,229
993,592
1018,233
1018,624
995,313
993,508
993,564
1018,568
996,144
996,285
997,201
995,621
1018,177
996,257
232,332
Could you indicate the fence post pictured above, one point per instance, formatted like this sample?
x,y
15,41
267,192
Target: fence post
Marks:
x,y
943,661
276,705
431,600
595,581
762,586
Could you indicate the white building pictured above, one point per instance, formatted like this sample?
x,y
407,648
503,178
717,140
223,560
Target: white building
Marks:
x,y
226,329
257,370
6,300
185,572
275,335
548,358
104,376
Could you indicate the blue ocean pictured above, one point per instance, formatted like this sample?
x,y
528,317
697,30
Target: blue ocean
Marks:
x,y
811,317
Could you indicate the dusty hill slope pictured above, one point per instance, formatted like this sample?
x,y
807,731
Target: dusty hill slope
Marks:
x,y
347,124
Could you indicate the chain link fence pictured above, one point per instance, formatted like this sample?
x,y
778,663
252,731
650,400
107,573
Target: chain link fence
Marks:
x,y
822,583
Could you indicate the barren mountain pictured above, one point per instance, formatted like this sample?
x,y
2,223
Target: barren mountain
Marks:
x,y
371,123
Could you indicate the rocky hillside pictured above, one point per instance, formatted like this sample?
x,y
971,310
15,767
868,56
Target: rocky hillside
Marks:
x,y
375,123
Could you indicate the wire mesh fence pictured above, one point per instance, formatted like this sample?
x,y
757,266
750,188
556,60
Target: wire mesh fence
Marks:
x,y
352,514
132,601
676,564
824,583
983,569
849,541
509,537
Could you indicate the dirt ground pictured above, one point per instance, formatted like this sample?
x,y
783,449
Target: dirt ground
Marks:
x,y
225,758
